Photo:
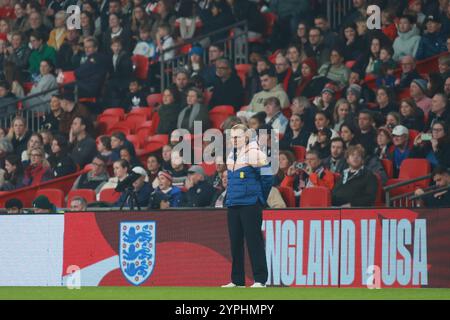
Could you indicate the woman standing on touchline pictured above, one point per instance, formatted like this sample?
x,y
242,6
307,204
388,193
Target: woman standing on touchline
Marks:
x,y
248,188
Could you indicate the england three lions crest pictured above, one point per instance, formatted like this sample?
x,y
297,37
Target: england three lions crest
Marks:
x,y
137,250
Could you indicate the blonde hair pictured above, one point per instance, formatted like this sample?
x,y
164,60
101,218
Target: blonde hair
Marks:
x,y
44,161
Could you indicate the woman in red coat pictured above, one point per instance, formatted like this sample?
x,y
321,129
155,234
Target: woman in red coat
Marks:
x,y
39,169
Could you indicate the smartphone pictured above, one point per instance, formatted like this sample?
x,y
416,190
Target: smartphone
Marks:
x,y
426,136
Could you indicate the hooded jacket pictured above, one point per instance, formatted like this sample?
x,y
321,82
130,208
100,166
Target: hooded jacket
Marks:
x,y
406,43
431,44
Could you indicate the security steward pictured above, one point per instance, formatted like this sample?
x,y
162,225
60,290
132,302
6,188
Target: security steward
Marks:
x,y
91,74
249,184
200,192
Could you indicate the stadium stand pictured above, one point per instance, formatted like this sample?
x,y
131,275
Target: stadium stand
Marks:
x,y
122,89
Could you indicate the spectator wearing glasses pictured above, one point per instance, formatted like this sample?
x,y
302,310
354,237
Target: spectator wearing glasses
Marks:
x,y
95,178
227,89
39,169
285,75
436,150
316,48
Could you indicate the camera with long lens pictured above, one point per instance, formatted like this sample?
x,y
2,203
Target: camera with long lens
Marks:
x,y
127,183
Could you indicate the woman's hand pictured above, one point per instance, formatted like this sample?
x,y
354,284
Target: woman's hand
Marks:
x,y
291,171
418,140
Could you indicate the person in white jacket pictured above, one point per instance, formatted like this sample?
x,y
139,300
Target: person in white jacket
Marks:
x,y
46,82
407,42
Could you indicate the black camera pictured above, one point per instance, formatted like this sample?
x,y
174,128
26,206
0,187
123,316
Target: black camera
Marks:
x,y
156,198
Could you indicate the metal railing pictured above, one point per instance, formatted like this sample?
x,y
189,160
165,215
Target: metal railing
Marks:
x,y
405,199
337,10
32,117
235,47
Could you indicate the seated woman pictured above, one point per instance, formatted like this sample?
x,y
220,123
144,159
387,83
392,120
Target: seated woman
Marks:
x,y
296,135
287,159
384,142
125,154
342,112
168,112
336,70
59,159
194,111
39,169
35,141
305,87
121,169
323,144
104,148
436,149
47,81
357,186
411,116
165,195
14,173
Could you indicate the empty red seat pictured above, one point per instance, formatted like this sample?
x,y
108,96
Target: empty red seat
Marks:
x,y
122,127
143,133
242,71
109,195
114,111
288,196
155,123
315,197
87,194
147,112
161,138
300,153
224,109
56,196
153,146
135,119
106,121
134,139
154,99
349,64
141,65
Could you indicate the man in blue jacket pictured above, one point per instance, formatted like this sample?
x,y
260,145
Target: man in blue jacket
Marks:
x,y
248,188
433,41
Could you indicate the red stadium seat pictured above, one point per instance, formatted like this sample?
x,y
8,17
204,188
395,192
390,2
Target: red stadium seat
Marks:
x,y
161,138
229,110
68,77
134,120
134,139
219,114
186,48
350,64
300,153
154,99
414,168
287,112
155,123
242,70
153,146
141,65
404,94
429,65
106,121
109,195
288,196
147,112
27,87
56,196
388,167
142,133
115,112
88,195
315,197
122,127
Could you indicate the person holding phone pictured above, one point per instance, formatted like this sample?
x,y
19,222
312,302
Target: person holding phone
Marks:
x,y
248,187
434,146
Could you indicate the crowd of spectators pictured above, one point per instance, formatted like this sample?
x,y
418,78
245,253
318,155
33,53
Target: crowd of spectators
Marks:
x,y
307,80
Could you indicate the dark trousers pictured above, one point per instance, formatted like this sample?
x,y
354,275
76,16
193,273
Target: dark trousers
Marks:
x,y
244,222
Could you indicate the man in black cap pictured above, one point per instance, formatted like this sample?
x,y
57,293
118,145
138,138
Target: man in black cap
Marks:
x,y
433,41
14,206
42,205
200,192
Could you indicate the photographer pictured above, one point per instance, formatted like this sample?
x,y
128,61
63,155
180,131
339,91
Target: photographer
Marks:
x,y
165,195
434,146
308,174
140,187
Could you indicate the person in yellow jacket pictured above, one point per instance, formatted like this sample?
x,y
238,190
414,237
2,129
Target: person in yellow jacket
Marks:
x,y
59,33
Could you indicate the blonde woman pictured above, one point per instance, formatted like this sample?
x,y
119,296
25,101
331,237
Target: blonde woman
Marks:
x,y
39,169
58,34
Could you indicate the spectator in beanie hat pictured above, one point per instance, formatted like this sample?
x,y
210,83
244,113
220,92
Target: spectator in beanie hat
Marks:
x,y
353,95
418,90
165,195
42,205
326,101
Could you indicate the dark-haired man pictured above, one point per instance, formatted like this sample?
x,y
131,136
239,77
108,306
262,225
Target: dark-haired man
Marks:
x,y
84,146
